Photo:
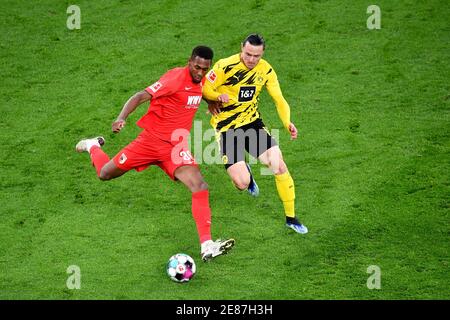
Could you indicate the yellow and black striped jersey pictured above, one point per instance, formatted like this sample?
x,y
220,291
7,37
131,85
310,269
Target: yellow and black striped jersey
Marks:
x,y
243,86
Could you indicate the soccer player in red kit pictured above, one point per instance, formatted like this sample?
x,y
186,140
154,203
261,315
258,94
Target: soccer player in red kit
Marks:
x,y
174,100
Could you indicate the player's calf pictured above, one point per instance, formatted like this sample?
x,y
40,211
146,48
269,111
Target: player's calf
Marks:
x,y
241,183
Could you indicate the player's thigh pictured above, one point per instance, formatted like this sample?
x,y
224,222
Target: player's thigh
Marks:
x,y
270,155
139,153
110,171
273,158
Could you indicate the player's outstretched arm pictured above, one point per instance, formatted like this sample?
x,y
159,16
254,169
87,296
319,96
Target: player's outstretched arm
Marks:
x,y
283,109
131,105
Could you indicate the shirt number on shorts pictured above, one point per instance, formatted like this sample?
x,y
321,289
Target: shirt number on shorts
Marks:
x,y
186,155
246,93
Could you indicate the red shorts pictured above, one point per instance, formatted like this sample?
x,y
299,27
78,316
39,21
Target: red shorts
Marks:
x,y
147,149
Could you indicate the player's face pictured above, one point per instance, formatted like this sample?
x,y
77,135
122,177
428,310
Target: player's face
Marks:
x,y
198,67
250,54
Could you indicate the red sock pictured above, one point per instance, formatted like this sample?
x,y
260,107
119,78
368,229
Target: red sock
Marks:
x,y
202,214
99,158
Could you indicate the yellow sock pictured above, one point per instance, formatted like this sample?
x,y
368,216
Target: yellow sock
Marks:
x,y
286,191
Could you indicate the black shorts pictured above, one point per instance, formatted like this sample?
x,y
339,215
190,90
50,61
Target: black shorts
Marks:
x,y
253,138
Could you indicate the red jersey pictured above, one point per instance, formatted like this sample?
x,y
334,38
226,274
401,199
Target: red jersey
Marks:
x,y
175,100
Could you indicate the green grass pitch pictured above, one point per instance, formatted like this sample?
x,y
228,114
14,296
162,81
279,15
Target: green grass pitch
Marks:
x,y
371,164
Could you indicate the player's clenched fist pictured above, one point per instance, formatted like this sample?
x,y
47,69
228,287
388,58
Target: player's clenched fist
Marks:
x,y
118,125
214,107
293,131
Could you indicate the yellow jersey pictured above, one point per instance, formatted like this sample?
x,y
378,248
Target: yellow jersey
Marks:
x,y
243,86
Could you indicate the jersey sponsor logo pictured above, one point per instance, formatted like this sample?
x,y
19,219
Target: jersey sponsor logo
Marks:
x,y
193,101
211,76
156,86
246,93
122,158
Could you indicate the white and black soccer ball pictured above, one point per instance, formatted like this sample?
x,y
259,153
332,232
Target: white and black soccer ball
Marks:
x,y
181,267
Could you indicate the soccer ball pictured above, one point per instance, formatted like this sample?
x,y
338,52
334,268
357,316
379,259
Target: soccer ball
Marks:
x,y
181,267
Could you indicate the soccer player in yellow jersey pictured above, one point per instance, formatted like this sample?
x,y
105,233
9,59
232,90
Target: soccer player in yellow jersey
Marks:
x,y
232,89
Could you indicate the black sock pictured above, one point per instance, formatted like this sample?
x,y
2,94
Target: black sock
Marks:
x,y
292,220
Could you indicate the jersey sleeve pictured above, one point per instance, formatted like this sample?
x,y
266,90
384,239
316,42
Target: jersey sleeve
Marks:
x,y
165,86
283,109
214,79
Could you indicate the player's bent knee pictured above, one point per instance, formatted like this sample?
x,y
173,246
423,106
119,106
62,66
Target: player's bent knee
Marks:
x,y
196,186
277,165
203,186
105,175
241,187
200,184
241,184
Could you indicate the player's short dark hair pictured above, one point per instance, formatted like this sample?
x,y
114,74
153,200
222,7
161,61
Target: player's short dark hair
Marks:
x,y
202,52
255,40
